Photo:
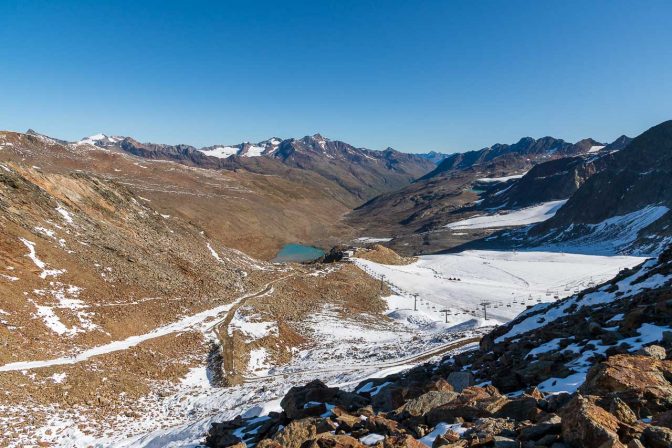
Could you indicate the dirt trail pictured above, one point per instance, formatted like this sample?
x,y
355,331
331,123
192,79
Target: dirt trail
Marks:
x,y
225,339
221,330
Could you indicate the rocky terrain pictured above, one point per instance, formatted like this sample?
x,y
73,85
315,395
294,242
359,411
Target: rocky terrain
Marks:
x,y
464,183
132,314
592,370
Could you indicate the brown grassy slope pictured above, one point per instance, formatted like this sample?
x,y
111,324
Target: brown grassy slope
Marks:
x,y
254,213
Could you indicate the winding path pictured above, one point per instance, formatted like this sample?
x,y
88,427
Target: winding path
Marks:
x,y
415,359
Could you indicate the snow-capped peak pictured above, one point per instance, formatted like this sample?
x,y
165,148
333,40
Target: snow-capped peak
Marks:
x,y
98,139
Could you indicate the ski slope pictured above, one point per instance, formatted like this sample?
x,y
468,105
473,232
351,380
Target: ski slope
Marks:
x,y
510,281
524,216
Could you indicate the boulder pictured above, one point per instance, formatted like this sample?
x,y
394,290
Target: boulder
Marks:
x,y
622,411
654,351
657,437
640,381
299,431
295,401
460,380
487,428
388,398
524,408
334,441
268,443
381,425
474,402
551,425
426,402
587,425
401,442
221,439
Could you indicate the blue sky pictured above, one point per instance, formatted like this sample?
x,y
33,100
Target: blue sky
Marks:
x,y
417,76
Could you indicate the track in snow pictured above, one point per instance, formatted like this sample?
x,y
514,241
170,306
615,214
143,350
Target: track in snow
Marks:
x,y
396,363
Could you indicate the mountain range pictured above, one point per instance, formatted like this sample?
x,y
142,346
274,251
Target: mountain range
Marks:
x,y
357,173
138,306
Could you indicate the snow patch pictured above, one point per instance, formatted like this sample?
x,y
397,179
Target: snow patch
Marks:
x,y
529,215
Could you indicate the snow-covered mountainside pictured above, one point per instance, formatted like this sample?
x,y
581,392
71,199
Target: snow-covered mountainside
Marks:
x,y
629,200
591,370
501,178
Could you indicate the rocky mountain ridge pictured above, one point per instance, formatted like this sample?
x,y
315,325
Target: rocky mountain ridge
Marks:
x,y
363,173
529,148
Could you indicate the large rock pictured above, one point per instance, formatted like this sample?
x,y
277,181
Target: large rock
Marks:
x,y
334,441
657,437
654,351
587,425
295,401
552,424
524,408
640,381
299,431
622,411
388,398
401,442
426,402
487,428
474,402
460,380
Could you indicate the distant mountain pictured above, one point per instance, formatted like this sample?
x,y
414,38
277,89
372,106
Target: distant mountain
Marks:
x,y
453,190
528,149
624,206
363,173
549,181
434,156
618,144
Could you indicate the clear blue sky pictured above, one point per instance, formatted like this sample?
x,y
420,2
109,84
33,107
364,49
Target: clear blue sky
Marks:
x,y
417,76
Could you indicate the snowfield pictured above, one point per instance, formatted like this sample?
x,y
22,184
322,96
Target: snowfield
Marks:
x,y
524,216
510,281
500,179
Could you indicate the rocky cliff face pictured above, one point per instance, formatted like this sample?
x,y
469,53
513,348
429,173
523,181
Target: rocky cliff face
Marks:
x,y
593,370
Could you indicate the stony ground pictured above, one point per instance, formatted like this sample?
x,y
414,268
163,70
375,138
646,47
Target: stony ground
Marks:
x,y
592,370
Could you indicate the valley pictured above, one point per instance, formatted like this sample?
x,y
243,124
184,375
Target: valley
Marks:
x,y
150,292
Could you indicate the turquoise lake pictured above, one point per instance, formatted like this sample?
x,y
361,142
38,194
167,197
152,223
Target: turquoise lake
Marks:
x,y
298,253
